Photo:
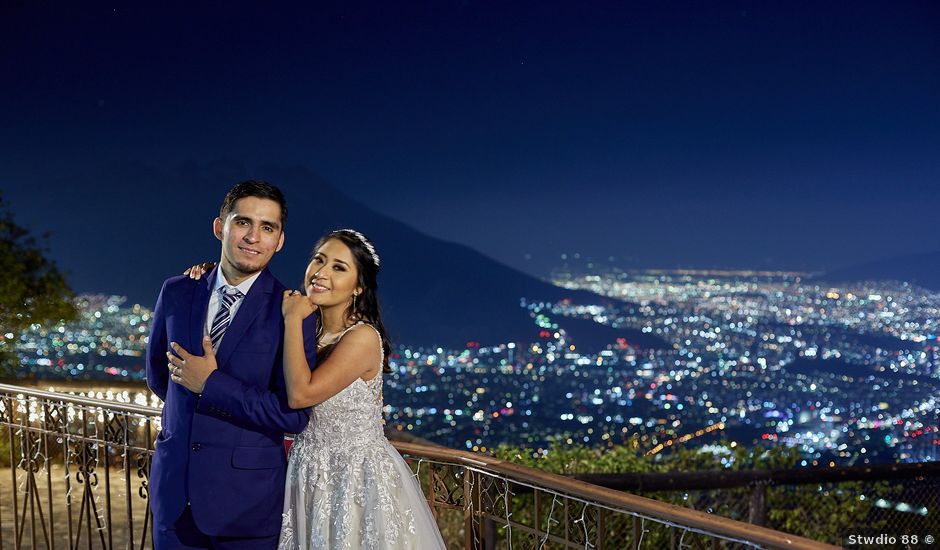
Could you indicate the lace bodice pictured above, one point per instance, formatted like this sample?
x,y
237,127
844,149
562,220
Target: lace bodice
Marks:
x,y
353,417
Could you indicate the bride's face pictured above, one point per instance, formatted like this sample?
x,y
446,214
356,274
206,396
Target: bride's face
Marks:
x,y
332,277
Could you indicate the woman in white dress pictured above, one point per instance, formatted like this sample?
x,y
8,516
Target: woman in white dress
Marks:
x,y
347,487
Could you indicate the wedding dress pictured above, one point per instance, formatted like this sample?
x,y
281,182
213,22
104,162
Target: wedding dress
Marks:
x,y
347,487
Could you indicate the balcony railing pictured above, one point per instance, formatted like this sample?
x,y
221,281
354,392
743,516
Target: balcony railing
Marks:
x,y
76,472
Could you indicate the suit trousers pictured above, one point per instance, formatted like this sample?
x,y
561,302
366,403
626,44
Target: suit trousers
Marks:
x,y
185,535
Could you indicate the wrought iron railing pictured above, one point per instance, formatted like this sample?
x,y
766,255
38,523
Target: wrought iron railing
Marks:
x,y
827,503
77,470
482,502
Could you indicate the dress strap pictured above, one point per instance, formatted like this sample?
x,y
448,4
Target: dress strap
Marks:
x,y
349,328
381,347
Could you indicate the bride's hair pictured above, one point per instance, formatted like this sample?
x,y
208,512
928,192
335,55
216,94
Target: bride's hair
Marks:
x,y
367,302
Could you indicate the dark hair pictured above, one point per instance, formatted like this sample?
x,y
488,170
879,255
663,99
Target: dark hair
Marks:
x,y
367,303
254,188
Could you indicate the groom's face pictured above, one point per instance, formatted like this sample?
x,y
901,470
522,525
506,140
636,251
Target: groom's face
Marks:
x,y
251,233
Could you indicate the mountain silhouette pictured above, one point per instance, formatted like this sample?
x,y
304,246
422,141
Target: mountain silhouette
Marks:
x,y
433,292
919,269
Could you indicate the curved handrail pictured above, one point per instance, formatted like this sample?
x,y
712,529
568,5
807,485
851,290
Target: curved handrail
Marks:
x,y
131,408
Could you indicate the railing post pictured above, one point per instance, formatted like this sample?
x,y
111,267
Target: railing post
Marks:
x,y
3,418
489,533
30,495
126,464
487,508
567,521
47,453
13,466
477,515
67,454
143,472
87,496
757,513
471,538
1,517
538,513
106,448
432,489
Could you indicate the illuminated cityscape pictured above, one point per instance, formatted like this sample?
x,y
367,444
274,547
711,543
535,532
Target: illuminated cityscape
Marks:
x,y
106,342
845,373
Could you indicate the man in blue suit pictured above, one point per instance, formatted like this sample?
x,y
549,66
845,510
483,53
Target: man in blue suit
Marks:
x,y
217,478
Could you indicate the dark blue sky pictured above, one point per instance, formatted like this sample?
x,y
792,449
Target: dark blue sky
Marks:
x,y
755,134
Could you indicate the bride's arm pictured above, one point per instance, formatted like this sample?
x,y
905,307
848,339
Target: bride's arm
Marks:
x,y
356,355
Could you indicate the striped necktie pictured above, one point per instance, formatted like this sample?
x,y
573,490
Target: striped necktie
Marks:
x,y
223,317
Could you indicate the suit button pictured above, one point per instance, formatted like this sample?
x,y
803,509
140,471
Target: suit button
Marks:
x,y
197,446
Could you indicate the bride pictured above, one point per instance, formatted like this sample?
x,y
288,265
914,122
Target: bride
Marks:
x,y
347,487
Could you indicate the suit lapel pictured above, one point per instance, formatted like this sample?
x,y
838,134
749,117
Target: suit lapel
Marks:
x,y
198,306
198,309
249,309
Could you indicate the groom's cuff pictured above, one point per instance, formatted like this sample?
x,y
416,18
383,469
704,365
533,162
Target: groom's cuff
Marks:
x,y
219,389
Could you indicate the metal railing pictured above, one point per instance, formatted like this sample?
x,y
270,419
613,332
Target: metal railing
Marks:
x,y
78,467
826,503
77,471
499,504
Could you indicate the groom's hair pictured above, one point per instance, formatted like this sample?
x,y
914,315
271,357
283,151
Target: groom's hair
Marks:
x,y
254,188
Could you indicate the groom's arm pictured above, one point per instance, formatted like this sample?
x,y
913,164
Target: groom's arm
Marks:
x,y
157,373
262,408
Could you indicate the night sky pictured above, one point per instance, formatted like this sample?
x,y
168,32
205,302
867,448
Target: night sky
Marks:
x,y
709,134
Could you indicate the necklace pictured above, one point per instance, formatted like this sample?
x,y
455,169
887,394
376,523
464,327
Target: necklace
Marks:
x,y
330,338
327,339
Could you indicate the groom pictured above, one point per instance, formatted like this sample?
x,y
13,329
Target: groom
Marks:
x,y
214,358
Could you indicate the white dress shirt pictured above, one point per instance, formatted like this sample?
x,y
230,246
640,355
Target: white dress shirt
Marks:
x,y
215,298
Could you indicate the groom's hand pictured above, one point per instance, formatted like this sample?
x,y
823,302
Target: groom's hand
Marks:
x,y
191,371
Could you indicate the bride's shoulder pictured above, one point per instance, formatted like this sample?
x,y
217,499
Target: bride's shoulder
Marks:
x,y
363,333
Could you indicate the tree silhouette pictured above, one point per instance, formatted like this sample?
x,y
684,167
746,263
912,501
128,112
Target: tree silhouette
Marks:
x,y
32,289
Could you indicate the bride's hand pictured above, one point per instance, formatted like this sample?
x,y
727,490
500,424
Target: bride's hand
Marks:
x,y
296,305
198,270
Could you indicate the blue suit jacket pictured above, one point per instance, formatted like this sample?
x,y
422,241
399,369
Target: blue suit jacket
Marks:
x,y
223,451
